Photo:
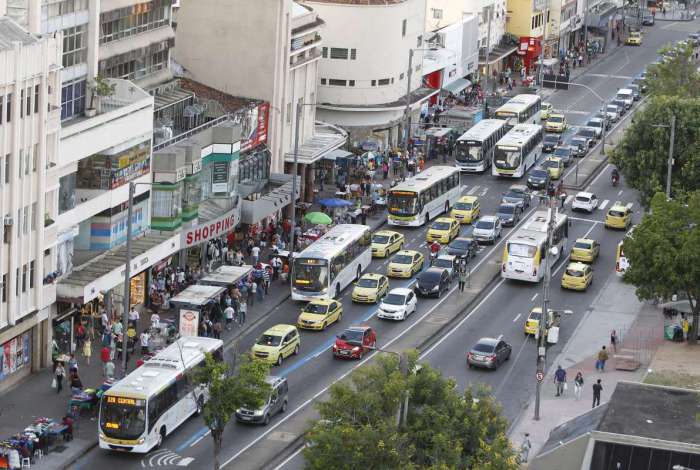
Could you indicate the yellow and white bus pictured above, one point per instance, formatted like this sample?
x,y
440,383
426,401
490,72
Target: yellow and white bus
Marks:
x,y
523,254
423,197
517,151
140,410
520,109
474,150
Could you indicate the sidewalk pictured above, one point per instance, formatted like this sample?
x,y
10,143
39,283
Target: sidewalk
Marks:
x,y
640,330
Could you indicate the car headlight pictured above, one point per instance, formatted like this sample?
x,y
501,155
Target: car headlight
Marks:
x,y
335,347
258,412
356,349
141,441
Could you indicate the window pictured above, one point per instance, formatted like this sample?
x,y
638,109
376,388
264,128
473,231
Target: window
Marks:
x,y
73,99
135,19
353,54
374,83
25,220
335,82
323,81
419,41
19,222
17,281
289,113
31,274
137,63
7,169
27,166
19,161
351,82
21,102
392,80
324,52
74,45
29,101
437,13
339,53
383,82
24,278
4,288
36,98
401,76
7,234
34,215
8,114
403,28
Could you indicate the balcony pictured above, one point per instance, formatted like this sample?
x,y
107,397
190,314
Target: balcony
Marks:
x,y
301,59
125,116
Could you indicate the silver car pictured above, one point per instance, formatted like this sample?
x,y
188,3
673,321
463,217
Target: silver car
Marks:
x,y
487,229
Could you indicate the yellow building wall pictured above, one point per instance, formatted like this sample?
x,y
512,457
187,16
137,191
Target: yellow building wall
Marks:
x,y
520,14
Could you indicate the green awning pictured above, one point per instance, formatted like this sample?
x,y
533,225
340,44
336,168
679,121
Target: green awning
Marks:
x,y
220,157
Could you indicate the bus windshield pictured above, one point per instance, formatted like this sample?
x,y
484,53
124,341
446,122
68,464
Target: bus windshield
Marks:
x,y
403,203
468,152
507,158
310,274
122,418
521,250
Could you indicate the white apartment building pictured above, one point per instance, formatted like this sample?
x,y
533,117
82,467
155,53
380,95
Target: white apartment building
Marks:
x,y
441,13
272,53
29,133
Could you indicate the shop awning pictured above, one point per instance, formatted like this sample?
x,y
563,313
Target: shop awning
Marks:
x,y
497,54
278,196
326,138
226,275
198,295
336,154
457,85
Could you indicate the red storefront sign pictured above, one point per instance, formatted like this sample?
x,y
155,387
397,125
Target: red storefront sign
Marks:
x,y
210,230
257,127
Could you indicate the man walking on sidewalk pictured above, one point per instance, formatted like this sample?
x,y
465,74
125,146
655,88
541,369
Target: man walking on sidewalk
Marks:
x,y
602,357
597,388
560,380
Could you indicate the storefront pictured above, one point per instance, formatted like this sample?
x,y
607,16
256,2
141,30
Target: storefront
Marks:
x,y
16,357
529,52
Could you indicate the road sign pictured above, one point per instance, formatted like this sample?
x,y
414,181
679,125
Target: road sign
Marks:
x,y
540,376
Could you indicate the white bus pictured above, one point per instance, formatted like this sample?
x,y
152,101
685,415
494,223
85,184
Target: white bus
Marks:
x,y
523,254
332,262
473,151
520,109
517,151
151,402
424,196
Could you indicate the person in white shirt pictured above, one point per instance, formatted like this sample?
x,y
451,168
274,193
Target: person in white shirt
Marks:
x,y
256,254
155,320
228,314
144,339
134,316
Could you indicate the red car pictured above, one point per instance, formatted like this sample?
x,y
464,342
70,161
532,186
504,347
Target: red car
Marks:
x,y
354,342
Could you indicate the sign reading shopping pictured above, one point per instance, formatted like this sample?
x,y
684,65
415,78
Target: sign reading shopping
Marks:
x,y
212,229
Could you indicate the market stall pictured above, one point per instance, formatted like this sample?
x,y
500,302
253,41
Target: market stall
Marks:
x,y
193,303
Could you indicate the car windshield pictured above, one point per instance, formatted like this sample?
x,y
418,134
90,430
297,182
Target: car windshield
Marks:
x,y
395,299
556,119
574,272
587,132
316,308
612,109
430,277
352,336
463,206
310,274
562,151
535,316
513,195
485,224
507,158
550,164
578,141
521,250
551,139
380,239
122,417
440,226
594,123
539,173
582,245
443,263
270,340
484,348
402,203
506,210
460,244
370,283
402,259
468,152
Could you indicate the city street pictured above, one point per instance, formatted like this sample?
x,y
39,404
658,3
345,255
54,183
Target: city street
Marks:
x,y
502,310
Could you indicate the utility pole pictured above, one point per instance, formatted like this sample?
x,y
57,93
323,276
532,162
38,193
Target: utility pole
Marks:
x,y
294,183
545,20
585,30
488,51
408,99
542,326
670,157
127,276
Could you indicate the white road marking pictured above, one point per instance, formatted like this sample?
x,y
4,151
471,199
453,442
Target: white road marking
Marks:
x,y
517,317
670,25
463,188
473,190
484,191
200,438
603,205
629,205
286,461
569,199
590,221
604,75
534,297
185,461
582,113
619,193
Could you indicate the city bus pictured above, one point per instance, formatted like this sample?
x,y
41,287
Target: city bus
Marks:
x,y
425,196
523,253
151,402
517,151
474,150
520,109
331,263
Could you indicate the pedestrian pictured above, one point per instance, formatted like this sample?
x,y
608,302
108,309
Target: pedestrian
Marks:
x,y
525,448
72,363
155,320
685,326
105,357
134,316
59,374
255,253
87,350
602,357
228,314
613,341
462,278
80,334
241,313
144,339
385,170
560,380
75,382
217,329
109,370
252,290
578,385
117,328
597,388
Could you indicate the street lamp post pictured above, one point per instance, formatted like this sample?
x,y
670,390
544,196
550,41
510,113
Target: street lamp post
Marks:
x,y
294,183
402,414
669,165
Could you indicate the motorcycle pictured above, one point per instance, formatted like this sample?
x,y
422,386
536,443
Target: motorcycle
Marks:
x,y
615,179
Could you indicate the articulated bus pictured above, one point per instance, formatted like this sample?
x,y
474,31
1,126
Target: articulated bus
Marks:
x,y
424,196
474,150
332,262
517,151
524,252
520,109
151,402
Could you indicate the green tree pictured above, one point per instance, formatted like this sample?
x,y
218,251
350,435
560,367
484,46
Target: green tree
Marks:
x,y
675,74
663,253
229,390
444,429
642,154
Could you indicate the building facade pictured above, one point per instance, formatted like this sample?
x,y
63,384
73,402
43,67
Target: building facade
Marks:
x,y
29,135
526,21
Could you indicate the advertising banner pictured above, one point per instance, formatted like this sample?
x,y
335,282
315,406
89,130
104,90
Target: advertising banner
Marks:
x,y
189,322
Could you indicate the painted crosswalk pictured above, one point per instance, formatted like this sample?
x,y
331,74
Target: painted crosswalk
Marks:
x,y
568,201
478,190
604,204
605,75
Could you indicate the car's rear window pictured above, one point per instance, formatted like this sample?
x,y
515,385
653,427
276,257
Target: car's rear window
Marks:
x,y
481,347
583,199
574,273
582,245
616,213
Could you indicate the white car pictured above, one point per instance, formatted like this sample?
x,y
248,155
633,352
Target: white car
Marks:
x,y
447,262
584,202
597,124
487,229
613,112
397,304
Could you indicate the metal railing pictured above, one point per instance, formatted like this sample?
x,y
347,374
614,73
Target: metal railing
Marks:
x,y
193,131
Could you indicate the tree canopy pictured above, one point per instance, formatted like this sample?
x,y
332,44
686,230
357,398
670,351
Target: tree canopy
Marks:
x,y
642,154
444,429
229,390
675,73
663,252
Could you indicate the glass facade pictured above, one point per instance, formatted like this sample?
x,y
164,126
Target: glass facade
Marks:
x,y
137,63
73,99
105,172
191,196
66,193
253,171
166,212
134,19
74,45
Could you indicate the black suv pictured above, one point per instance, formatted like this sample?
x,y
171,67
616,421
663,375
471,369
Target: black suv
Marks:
x,y
538,179
433,281
463,247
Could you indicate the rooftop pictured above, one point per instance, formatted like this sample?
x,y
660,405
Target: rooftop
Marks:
x,y
11,32
574,428
229,103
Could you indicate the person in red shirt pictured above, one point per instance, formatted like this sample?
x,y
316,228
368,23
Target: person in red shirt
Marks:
x,y
104,357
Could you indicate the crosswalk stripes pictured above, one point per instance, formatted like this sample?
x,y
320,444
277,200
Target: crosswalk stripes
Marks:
x,y
604,204
484,191
629,205
473,190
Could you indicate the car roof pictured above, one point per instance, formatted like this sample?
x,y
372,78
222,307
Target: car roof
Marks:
x,y
489,341
586,128
595,119
539,168
520,187
358,328
584,194
585,240
618,207
386,232
450,257
507,204
468,239
373,276
557,114
489,218
433,270
320,302
565,147
407,252
553,158
468,199
400,291
552,136
577,266
445,219
280,328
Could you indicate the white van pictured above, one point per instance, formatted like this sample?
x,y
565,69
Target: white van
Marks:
x,y
626,95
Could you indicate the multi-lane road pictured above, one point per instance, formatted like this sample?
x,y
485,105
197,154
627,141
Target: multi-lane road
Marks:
x,y
501,311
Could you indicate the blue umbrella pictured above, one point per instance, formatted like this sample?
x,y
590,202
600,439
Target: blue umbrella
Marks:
x,y
334,202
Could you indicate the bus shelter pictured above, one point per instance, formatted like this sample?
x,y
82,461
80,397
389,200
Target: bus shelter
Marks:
x,y
226,276
439,141
193,303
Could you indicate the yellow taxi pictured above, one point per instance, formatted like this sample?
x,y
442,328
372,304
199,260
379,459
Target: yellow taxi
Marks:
x,y
370,288
318,314
585,250
618,216
578,276
443,230
386,242
532,323
277,343
555,167
466,209
634,39
556,122
546,110
405,264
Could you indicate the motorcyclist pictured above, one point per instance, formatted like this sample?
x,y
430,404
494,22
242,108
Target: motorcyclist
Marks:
x,y
615,176
434,250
